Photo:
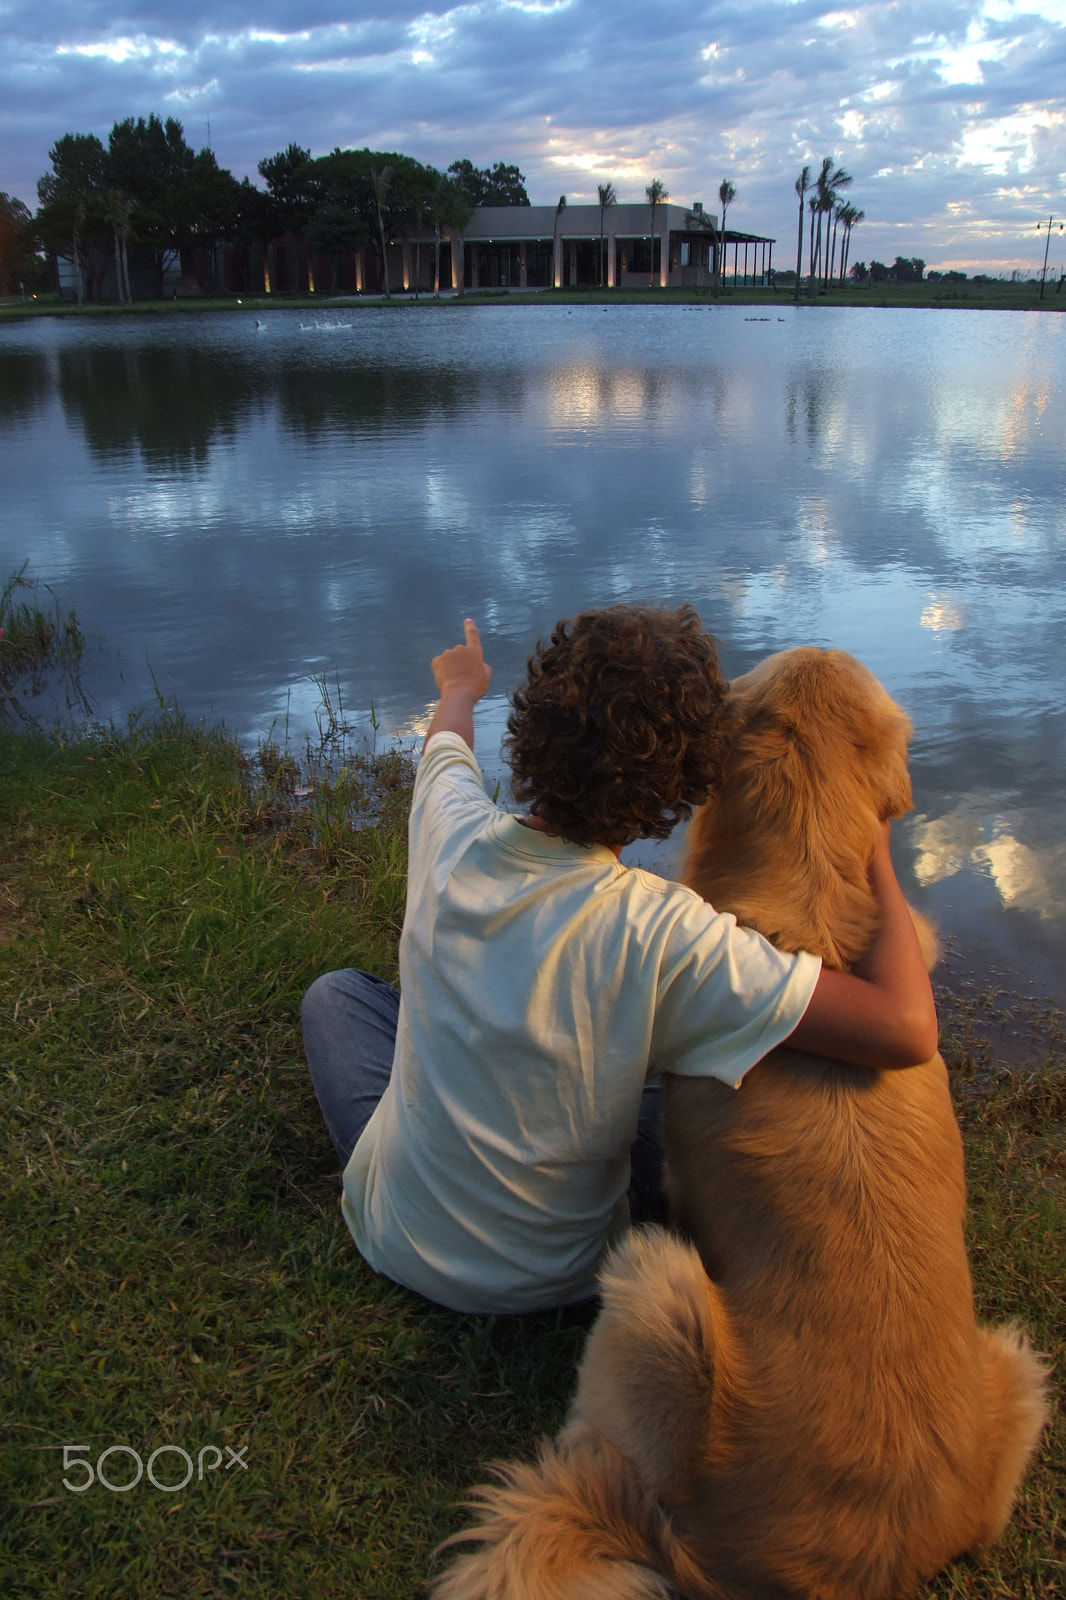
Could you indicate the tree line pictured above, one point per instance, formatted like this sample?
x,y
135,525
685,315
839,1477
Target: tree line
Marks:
x,y
148,189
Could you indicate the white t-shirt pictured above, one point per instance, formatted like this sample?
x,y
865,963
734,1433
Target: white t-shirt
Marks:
x,y
542,984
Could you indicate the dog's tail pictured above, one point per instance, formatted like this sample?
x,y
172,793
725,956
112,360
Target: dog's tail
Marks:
x,y
1017,1396
586,1521
577,1525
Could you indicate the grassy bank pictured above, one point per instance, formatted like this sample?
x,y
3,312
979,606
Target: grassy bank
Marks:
x,y
176,1266
987,296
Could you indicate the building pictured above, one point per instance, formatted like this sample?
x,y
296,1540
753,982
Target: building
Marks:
x,y
536,247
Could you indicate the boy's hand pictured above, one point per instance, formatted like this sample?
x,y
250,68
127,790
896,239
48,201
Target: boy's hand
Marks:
x,y
463,666
462,677
882,1014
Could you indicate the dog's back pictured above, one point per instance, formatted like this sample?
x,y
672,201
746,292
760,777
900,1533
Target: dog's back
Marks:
x,y
827,1202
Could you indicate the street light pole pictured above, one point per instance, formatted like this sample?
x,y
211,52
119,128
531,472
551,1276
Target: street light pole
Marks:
x,y
1047,246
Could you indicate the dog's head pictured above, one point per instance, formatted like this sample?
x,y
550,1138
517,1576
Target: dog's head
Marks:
x,y
818,760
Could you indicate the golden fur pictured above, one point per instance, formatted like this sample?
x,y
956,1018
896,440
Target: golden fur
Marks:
x,y
799,1404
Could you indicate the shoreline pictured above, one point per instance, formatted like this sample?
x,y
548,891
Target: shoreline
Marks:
x,y
992,296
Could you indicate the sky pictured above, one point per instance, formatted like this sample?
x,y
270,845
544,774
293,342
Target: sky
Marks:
x,y
951,117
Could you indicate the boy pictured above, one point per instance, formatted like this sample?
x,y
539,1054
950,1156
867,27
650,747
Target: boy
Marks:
x,y
486,1119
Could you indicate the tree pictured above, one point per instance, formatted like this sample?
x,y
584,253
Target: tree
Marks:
x,y
907,269
205,209
291,183
827,184
19,263
446,206
387,191
838,211
608,197
501,185
334,231
559,209
69,196
657,194
151,164
256,223
812,207
148,188
381,177
727,193
802,184
117,207
852,218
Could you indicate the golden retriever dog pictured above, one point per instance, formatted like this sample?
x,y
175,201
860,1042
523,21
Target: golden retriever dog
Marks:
x,y
798,1404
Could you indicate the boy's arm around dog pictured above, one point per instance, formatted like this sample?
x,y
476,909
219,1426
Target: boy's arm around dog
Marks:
x,y
882,1014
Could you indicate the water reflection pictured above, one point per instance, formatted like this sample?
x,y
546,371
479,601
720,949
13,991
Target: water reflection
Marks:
x,y
172,405
249,506
24,386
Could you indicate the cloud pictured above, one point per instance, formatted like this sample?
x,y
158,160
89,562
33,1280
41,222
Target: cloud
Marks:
x,y
950,120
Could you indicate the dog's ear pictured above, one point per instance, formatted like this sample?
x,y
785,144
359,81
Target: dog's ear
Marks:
x,y
883,750
818,759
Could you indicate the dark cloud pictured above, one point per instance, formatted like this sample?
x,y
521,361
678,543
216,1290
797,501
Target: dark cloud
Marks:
x,y
928,109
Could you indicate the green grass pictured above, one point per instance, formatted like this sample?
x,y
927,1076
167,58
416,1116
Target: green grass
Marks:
x,y
974,296
40,649
176,1267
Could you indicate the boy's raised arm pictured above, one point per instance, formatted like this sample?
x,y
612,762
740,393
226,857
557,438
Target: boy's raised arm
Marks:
x,y
462,677
882,1014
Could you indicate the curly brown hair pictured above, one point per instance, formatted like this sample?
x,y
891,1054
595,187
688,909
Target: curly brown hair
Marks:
x,y
620,729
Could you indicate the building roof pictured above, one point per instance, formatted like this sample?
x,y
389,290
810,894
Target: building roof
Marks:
x,y
498,224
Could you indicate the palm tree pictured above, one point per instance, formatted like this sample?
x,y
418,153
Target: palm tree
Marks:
x,y
827,183
559,209
727,193
657,193
839,207
608,197
803,183
820,202
852,217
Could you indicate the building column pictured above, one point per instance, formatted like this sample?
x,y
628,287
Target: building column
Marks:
x,y
523,265
612,253
664,260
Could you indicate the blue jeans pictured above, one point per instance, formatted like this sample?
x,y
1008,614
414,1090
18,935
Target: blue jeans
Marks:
x,y
349,1026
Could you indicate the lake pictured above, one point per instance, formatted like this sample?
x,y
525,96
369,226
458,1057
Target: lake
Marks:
x,y
233,508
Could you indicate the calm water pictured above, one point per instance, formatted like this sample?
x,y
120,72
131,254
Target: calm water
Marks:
x,y
235,509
